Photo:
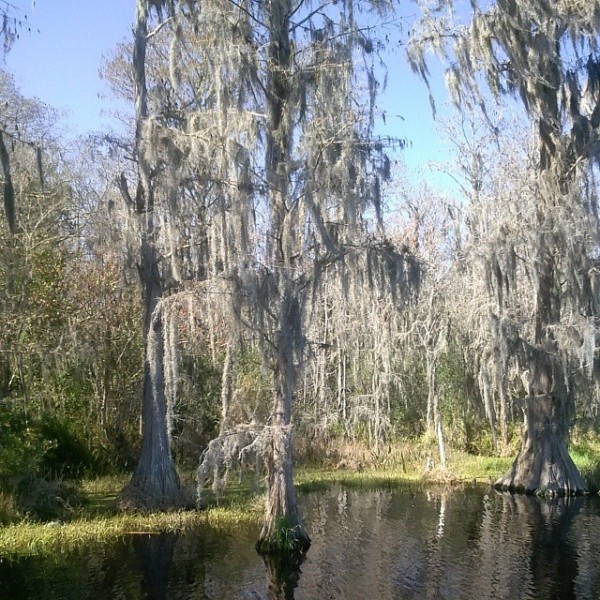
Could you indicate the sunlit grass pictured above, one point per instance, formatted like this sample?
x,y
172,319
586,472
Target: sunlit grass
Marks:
x,y
484,469
461,468
99,522
40,538
30,538
585,451
314,479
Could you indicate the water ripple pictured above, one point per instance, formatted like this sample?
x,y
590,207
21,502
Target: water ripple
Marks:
x,y
459,544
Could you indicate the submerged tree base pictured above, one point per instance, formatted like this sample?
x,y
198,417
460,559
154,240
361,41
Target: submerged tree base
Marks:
x,y
289,542
543,468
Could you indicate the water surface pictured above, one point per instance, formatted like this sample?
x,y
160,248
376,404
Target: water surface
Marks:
x,y
437,543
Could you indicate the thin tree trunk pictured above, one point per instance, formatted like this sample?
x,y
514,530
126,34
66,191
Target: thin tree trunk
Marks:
x,y
226,389
433,400
503,417
440,436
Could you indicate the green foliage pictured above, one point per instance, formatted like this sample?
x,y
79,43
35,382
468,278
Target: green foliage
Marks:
x,y
32,449
197,412
67,455
253,387
22,447
464,423
409,404
585,452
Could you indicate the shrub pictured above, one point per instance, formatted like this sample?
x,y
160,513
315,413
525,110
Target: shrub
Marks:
x,y
38,498
22,446
66,454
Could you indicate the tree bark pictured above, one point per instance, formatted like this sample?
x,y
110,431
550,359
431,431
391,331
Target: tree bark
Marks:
x,y
155,484
283,531
543,465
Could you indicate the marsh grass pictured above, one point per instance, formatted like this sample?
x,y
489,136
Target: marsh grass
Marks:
x,y
99,522
462,468
38,539
585,452
483,469
314,480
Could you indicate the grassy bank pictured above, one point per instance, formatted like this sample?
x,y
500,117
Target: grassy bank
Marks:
x,y
242,505
98,521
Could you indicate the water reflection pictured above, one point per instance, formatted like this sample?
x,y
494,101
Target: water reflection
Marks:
x,y
155,554
435,543
525,548
283,575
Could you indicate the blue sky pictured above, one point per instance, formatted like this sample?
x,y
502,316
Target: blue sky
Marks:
x,y
60,65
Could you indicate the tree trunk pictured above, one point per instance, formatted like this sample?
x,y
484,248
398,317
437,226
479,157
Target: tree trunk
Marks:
x,y
283,531
155,483
434,421
543,465
226,389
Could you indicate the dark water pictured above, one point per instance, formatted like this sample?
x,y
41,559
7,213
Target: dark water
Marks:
x,y
440,543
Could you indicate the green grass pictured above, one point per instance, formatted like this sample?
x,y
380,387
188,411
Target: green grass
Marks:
x,y
471,467
28,538
461,468
315,479
585,452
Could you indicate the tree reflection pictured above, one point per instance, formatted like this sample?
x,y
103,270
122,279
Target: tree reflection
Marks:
x,y
155,553
283,574
554,557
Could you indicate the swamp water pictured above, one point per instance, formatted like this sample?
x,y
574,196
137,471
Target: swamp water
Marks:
x,y
458,543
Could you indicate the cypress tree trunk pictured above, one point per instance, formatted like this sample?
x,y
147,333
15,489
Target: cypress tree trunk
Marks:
x,y
283,530
543,465
155,483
